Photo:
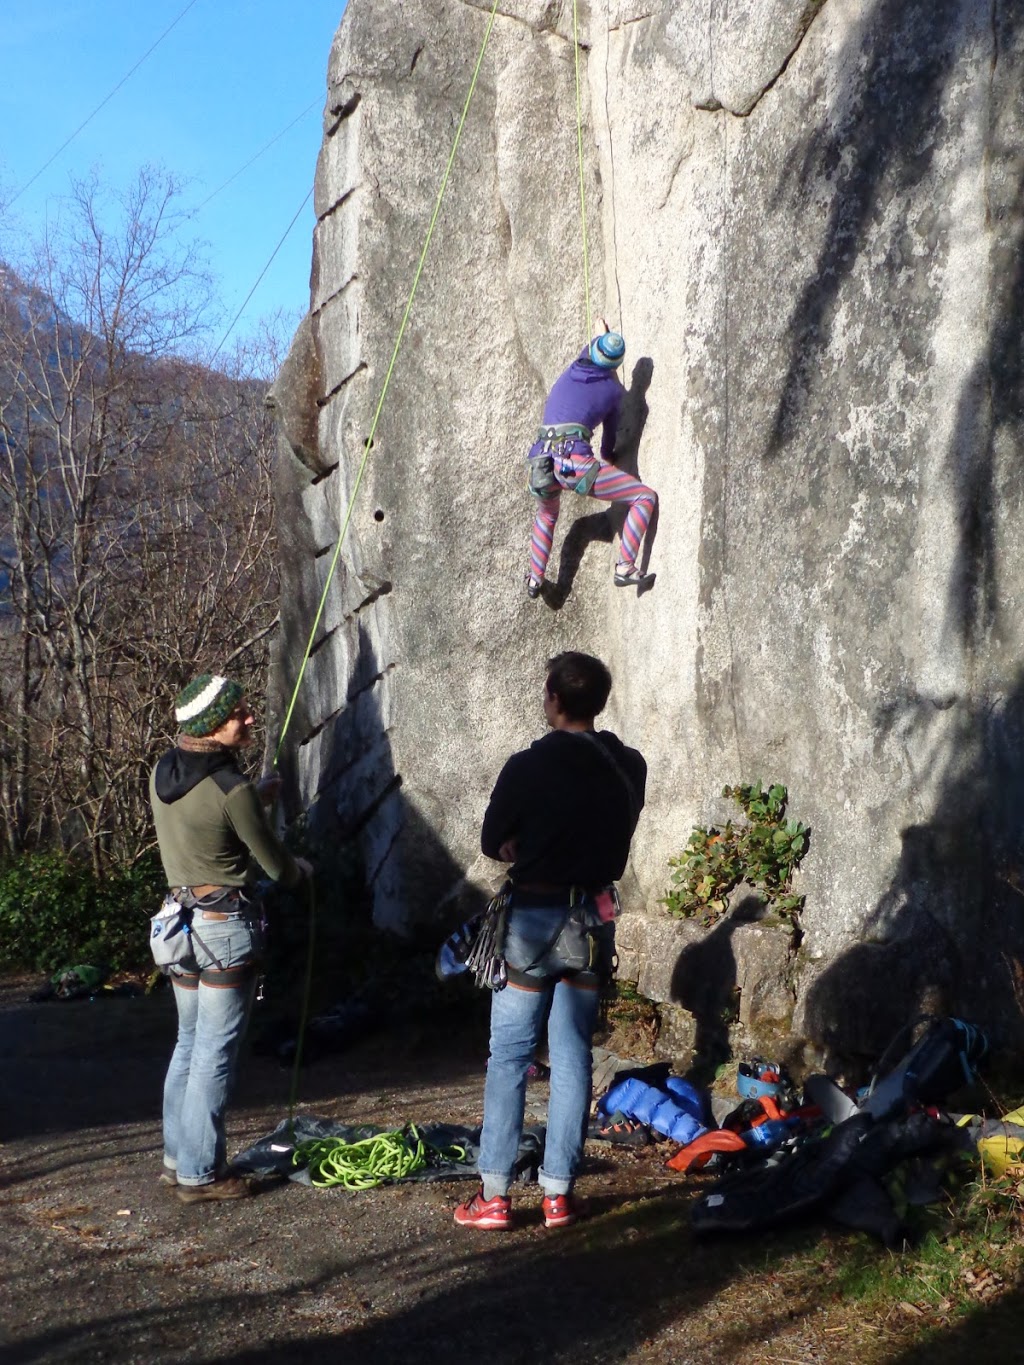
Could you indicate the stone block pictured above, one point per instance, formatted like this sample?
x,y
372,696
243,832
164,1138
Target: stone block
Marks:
x,y
764,973
677,1037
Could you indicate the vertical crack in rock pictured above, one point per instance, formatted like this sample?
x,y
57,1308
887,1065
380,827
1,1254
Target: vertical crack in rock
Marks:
x,y
726,434
993,24
813,8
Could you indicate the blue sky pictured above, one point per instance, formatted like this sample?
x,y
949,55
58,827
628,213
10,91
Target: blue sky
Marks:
x,y
229,77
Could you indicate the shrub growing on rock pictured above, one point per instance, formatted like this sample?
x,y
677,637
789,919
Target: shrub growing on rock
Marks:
x,y
764,852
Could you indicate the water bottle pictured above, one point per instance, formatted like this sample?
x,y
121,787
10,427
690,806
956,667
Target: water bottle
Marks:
x,y
771,1134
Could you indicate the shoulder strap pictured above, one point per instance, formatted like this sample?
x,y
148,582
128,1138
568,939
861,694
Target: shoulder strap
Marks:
x,y
613,762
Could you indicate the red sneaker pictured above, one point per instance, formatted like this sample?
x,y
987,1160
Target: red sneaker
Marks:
x,y
559,1210
493,1214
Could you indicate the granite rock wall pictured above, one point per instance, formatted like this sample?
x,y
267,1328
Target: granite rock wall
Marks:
x,y
807,218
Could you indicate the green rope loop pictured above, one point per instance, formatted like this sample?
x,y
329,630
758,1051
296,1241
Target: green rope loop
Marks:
x,y
372,1161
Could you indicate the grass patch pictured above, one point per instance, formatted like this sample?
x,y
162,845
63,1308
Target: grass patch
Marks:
x,y
963,1254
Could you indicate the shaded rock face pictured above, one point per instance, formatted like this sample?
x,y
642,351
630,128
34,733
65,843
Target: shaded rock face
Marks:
x,y
808,221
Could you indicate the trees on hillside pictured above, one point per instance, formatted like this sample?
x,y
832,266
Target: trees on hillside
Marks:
x,y
135,493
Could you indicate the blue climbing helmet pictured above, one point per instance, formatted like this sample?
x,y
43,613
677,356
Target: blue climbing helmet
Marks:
x,y
607,350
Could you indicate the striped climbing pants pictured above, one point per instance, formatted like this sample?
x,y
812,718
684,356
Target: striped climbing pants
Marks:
x,y
611,485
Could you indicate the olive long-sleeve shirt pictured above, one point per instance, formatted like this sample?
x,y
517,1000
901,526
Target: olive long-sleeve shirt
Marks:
x,y
209,822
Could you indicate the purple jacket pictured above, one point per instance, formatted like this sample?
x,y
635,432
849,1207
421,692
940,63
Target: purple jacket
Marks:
x,y
587,394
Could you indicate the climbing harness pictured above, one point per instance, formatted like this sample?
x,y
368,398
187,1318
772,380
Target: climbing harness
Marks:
x,y
374,1160
557,443
560,430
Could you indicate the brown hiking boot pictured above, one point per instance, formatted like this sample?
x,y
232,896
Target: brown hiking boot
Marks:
x,y
231,1187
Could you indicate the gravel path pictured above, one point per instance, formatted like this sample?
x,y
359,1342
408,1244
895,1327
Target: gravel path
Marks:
x,y
101,1263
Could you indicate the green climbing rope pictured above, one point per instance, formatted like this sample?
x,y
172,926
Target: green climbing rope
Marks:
x,y
383,393
307,988
579,150
372,1161
307,992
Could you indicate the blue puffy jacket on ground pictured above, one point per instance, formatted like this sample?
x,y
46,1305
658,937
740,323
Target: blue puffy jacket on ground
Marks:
x,y
677,1111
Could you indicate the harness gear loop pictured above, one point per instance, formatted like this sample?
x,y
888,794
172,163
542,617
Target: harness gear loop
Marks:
x,y
562,429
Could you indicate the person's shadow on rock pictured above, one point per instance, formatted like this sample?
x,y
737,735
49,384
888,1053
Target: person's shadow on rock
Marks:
x,y
704,983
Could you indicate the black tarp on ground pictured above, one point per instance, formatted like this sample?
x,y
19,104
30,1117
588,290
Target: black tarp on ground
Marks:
x,y
272,1155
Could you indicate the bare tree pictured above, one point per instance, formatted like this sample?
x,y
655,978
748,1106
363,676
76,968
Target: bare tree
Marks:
x,y
140,548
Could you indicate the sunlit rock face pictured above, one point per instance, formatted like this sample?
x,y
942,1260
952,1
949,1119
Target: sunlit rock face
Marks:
x,y
806,218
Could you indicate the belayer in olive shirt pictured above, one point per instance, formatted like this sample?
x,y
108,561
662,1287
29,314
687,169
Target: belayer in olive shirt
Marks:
x,y
210,824
210,820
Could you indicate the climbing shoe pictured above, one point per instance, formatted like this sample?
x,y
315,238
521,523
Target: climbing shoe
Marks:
x,y
629,576
230,1187
559,1210
621,1129
494,1214
534,587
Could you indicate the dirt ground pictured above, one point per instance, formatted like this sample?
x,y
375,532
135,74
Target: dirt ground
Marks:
x,y
101,1263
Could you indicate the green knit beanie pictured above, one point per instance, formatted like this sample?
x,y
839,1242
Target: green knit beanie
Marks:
x,y
205,704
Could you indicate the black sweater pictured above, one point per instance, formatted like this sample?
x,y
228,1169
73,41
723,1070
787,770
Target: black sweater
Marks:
x,y
568,809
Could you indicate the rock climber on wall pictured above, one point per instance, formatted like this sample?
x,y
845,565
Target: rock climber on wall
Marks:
x,y
586,395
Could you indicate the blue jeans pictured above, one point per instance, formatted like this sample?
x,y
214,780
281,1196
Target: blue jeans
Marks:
x,y
213,1009
517,1019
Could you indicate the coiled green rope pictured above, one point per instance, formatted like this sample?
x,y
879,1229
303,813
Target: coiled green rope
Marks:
x,y
372,1161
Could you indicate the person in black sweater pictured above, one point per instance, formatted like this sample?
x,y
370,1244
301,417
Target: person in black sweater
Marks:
x,y
562,813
